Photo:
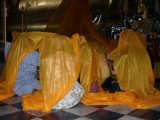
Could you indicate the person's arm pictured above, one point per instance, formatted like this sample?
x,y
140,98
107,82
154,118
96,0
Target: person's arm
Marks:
x,y
109,64
110,67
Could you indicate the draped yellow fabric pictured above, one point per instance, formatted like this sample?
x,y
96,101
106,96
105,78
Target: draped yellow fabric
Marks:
x,y
61,61
132,65
134,73
127,98
73,16
105,72
90,67
59,68
24,44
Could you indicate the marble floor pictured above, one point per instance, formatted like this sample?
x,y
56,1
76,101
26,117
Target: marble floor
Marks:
x,y
11,109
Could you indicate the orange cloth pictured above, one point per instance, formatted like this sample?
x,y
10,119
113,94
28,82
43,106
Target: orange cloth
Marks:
x,y
59,68
132,64
134,72
90,68
73,16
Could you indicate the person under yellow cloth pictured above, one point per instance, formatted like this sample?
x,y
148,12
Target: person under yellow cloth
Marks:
x,y
59,70
89,66
134,72
132,64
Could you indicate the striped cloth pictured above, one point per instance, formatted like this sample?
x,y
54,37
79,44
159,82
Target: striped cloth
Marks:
x,y
25,81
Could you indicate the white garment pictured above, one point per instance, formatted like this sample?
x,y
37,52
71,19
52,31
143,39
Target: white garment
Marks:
x,y
72,98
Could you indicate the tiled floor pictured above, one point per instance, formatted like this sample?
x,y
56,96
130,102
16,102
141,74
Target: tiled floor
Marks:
x,y
11,109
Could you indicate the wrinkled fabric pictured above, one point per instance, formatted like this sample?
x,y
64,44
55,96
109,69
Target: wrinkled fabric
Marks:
x,y
25,80
134,72
73,16
132,65
15,34
105,72
59,68
60,63
90,67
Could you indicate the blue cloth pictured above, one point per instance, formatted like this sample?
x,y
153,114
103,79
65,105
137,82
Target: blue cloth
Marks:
x,y
25,81
7,46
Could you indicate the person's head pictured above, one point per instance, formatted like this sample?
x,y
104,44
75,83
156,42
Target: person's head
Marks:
x,y
129,38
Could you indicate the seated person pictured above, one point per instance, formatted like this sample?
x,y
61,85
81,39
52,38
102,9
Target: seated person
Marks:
x,y
111,82
27,84
25,81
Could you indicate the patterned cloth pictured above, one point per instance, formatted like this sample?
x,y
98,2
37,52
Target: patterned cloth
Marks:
x,y
94,87
25,81
72,98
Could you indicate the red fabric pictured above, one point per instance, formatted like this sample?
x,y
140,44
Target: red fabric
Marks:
x,y
94,87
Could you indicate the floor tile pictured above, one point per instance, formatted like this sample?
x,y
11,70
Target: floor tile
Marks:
x,y
82,118
18,105
2,104
36,113
127,117
146,114
122,109
156,108
60,115
104,115
8,109
13,100
36,119
82,110
17,116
